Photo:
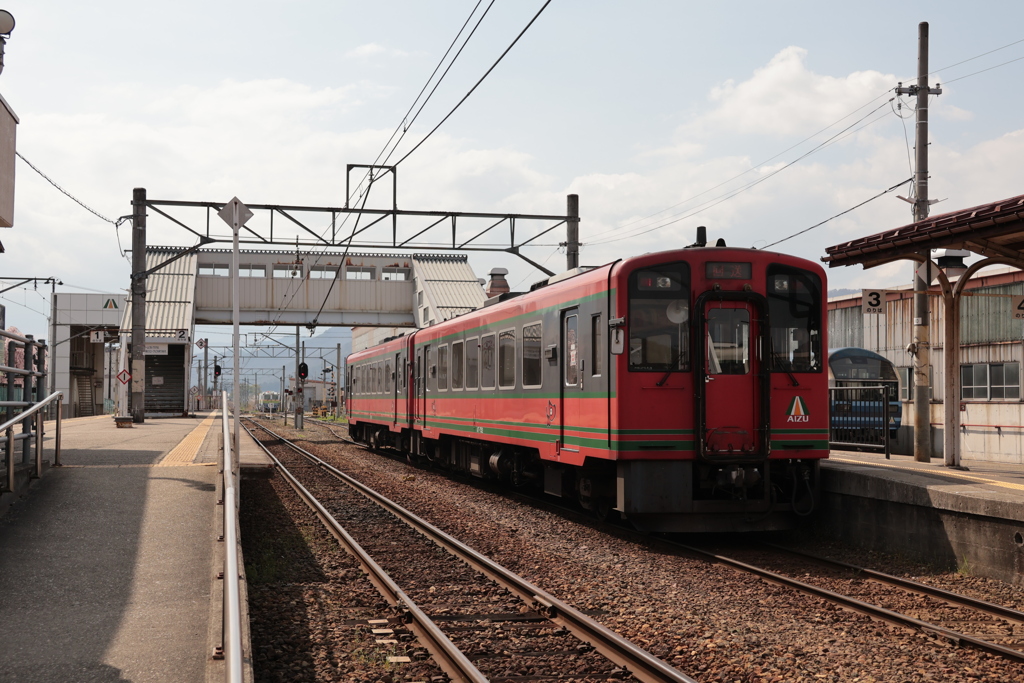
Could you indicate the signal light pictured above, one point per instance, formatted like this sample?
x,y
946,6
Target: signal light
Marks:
x,y
303,371
216,370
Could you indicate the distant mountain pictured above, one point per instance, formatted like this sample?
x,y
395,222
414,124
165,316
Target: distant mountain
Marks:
x,y
841,292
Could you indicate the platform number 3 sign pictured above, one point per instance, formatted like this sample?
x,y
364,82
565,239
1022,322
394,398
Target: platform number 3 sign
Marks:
x,y
1017,307
873,301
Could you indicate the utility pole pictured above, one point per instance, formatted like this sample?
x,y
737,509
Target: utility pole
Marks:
x,y
572,229
206,374
138,371
216,397
337,383
922,276
298,384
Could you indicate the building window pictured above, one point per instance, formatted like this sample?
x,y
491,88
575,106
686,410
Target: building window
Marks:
x,y
323,272
218,269
392,273
419,298
532,375
287,271
1004,379
250,270
507,359
995,381
359,273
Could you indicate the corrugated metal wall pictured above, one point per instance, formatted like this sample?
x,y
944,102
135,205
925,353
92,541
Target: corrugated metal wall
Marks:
x,y
988,334
168,394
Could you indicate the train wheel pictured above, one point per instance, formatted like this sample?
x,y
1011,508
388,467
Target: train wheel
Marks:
x,y
603,508
374,442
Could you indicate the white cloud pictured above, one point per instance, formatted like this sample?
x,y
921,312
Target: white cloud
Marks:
x,y
785,98
373,50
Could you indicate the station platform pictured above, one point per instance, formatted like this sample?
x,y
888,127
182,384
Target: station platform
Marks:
x,y
970,519
108,565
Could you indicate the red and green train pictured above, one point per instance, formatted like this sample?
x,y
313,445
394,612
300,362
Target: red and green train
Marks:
x,y
686,389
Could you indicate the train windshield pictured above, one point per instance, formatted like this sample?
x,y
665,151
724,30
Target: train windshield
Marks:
x,y
863,368
794,311
659,318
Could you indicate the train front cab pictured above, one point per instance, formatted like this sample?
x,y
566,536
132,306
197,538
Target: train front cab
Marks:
x,y
749,399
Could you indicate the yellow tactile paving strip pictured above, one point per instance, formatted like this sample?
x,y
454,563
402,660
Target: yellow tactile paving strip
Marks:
x,y
185,452
944,473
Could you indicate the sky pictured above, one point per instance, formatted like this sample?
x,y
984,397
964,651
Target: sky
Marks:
x,y
661,115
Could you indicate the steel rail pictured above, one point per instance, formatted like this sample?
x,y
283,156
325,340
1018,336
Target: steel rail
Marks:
x,y
874,611
641,664
447,656
915,586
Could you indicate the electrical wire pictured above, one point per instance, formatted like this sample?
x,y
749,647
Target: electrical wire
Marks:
x,y
715,201
403,126
749,170
841,213
477,85
960,78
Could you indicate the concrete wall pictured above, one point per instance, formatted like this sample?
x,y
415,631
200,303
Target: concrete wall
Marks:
x,y
946,525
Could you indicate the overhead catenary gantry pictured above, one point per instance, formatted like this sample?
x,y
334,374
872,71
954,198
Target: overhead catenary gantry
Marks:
x,y
300,226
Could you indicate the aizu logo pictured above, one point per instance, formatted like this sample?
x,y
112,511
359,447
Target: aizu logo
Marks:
x,y
797,411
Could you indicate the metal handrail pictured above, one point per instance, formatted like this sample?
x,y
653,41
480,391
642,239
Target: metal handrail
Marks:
x,y
7,428
231,625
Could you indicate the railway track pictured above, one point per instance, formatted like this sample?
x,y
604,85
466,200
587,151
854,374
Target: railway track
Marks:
x,y
949,617
954,618
477,620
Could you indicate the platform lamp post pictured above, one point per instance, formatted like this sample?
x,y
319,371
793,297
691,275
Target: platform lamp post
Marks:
x,y
236,214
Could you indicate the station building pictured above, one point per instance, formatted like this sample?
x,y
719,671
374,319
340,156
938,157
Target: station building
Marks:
x,y
82,329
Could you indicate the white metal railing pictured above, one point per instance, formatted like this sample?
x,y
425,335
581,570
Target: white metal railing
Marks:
x,y
231,625
10,438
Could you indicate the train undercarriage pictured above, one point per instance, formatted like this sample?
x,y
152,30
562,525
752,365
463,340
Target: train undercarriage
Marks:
x,y
653,495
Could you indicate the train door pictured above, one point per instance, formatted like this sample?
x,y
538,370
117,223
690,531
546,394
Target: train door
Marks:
x,y
571,378
731,407
421,371
395,380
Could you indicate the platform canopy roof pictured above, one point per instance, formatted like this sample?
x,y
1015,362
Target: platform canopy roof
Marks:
x,y
994,230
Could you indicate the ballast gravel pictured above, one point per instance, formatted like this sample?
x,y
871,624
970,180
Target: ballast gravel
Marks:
x,y
711,622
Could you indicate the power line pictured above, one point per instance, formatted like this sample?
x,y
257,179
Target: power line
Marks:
x,y
71,196
846,132
841,213
749,170
471,90
954,80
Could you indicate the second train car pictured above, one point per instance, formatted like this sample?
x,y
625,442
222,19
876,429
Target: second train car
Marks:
x,y
685,389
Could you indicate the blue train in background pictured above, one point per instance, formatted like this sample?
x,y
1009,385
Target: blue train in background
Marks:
x,y
857,412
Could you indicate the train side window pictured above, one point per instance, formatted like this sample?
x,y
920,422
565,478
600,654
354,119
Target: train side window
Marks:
x,y
442,368
794,309
596,345
507,359
659,318
487,361
458,364
389,382
532,375
472,363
